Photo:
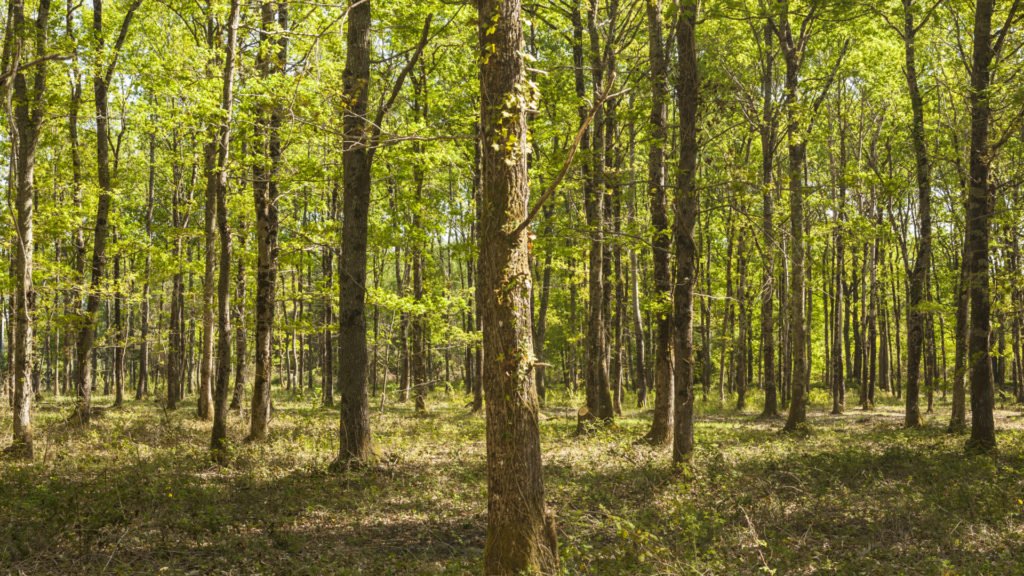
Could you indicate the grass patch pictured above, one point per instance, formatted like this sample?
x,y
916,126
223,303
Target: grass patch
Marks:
x,y
137,493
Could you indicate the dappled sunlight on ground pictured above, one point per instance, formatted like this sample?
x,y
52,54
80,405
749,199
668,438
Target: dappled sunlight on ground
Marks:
x,y
136,493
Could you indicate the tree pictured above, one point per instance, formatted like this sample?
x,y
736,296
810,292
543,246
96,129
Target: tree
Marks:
x,y
520,534
769,137
793,52
686,209
269,63
220,396
25,55
916,315
101,83
661,425
356,442
360,145
979,207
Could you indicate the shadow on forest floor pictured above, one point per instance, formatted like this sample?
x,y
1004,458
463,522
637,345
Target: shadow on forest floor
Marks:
x,y
136,493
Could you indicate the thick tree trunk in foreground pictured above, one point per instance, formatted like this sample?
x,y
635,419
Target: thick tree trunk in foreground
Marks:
x,y
520,535
686,208
979,208
28,114
356,444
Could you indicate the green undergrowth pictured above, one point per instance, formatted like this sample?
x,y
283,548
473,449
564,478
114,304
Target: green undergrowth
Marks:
x,y
136,493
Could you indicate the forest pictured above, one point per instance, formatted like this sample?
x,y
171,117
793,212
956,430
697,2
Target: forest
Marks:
x,y
512,287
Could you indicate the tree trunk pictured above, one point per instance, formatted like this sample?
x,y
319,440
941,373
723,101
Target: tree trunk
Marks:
x,y
218,440
542,315
265,196
205,400
356,443
25,122
638,333
142,387
979,207
768,141
327,260
520,534
597,377
687,204
118,333
916,314
792,49
238,320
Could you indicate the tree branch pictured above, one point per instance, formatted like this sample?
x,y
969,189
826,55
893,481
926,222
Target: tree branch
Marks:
x,y
397,88
566,164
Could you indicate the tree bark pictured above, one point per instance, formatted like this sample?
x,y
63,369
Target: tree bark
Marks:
x,y
661,241
979,208
768,142
598,386
542,315
916,315
356,442
205,400
218,439
265,196
142,386
792,50
958,415
520,534
24,122
687,205
238,320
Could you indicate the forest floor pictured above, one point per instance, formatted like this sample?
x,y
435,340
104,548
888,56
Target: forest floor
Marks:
x,y
136,494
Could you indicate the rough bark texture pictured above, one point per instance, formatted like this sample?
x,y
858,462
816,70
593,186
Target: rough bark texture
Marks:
x,y
265,194
662,423
520,535
983,433
792,50
686,208
356,445
598,384
916,315
223,376
28,114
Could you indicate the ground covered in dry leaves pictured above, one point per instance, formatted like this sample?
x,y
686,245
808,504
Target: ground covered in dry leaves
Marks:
x,y
136,494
